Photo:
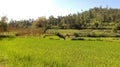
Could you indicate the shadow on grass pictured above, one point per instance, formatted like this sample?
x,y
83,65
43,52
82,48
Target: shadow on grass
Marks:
x,y
6,36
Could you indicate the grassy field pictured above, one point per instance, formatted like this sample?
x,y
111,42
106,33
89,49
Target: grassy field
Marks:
x,y
44,52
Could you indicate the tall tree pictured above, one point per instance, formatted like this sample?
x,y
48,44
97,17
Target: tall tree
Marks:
x,y
42,23
3,24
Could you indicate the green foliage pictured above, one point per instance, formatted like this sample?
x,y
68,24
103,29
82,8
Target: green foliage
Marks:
x,y
117,26
88,33
3,24
114,30
37,52
40,22
96,24
21,23
95,18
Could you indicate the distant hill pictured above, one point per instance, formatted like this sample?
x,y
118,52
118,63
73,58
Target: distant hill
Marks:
x,y
95,18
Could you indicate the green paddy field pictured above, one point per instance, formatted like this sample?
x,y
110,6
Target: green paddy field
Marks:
x,y
45,52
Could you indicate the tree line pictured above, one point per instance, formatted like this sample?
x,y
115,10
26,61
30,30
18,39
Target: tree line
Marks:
x,y
95,18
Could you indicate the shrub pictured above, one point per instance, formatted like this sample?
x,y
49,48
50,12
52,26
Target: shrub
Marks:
x,y
117,26
117,35
114,30
60,35
91,35
78,38
76,34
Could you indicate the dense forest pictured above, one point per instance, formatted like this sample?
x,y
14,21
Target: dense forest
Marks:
x,y
95,18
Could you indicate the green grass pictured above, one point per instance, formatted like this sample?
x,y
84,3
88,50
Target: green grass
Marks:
x,y
39,52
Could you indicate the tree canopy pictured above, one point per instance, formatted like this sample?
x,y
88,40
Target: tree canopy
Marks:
x,y
3,24
95,18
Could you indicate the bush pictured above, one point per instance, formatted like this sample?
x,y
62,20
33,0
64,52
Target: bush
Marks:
x,y
60,35
114,30
76,34
78,38
117,35
4,36
91,35
96,35
117,26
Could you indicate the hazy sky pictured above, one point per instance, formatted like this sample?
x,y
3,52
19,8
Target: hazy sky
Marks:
x,y
25,9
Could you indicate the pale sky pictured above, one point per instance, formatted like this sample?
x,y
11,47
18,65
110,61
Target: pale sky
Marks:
x,y
25,9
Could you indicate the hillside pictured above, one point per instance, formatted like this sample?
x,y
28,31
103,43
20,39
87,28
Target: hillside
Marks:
x,y
98,17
